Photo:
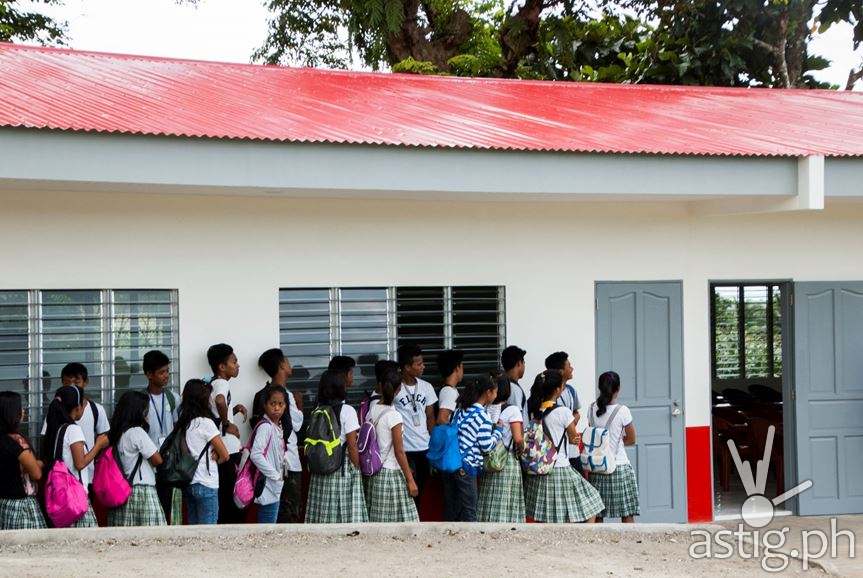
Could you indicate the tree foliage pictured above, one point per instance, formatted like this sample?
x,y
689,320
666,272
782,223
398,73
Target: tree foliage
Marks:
x,y
18,25
708,42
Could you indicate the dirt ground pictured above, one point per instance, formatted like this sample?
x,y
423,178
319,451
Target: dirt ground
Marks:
x,y
442,550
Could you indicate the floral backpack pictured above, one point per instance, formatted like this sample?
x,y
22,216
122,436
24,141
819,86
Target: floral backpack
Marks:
x,y
540,451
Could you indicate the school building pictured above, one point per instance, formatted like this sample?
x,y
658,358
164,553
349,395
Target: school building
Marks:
x,y
705,243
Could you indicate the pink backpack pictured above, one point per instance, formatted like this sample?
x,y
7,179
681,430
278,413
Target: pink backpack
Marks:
x,y
110,486
65,497
250,482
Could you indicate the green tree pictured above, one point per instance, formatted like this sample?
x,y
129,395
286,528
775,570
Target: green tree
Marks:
x,y
707,42
18,25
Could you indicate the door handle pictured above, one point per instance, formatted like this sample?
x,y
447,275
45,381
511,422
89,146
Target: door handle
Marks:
x,y
675,409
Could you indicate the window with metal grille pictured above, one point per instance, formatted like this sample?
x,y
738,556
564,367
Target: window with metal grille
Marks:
x,y
747,333
109,331
371,323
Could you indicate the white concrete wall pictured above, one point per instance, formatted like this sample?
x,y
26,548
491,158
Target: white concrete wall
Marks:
x,y
228,256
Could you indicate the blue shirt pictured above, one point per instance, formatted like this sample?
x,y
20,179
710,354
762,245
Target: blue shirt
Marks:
x,y
476,435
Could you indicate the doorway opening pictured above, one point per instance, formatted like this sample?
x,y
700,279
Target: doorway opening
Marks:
x,y
750,366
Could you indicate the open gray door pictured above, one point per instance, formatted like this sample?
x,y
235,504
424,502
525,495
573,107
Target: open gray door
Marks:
x,y
828,382
639,334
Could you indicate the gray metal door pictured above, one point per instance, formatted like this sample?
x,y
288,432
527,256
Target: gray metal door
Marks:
x,y
639,334
828,374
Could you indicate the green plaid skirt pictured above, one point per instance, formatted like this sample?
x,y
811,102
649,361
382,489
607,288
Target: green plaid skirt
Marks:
x,y
142,509
388,498
501,495
21,514
562,496
619,492
337,498
88,520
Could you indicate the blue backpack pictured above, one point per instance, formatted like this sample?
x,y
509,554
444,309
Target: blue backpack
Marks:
x,y
444,453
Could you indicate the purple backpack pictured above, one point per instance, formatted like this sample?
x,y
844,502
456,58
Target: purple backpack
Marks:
x,y
66,499
370,452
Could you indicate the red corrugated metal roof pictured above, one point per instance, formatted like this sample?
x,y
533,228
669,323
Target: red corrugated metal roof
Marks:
x,y
96,92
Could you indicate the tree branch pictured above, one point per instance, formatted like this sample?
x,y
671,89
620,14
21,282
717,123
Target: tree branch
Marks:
x,y
853,77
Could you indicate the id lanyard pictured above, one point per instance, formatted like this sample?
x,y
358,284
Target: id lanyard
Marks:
x,y
413,398
160,416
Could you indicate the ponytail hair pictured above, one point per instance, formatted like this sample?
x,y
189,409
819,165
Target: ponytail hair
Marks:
x,y
195,403
65,401
474,389
131,411
609,384
390,380
10,412
544,386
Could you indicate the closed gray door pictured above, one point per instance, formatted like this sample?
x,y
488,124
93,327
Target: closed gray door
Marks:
x,y
828,381
639,334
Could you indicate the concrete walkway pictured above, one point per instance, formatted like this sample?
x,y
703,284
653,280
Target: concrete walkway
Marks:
x,y
431,549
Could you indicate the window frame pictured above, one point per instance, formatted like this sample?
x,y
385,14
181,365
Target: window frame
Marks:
x,y
771,325
105,367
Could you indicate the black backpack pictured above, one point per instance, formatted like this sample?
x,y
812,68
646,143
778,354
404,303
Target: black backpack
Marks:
x,y
324,450
178,464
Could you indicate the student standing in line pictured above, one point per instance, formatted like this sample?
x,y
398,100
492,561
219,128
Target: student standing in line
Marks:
x,y
205,443
93,422
415,401
501,494
476,435
451,366
223,362
163,414
268,453
20,471
338,497
563,495
512,361
344,365
137,455
559,361
619,489
390,490
65,410
278,368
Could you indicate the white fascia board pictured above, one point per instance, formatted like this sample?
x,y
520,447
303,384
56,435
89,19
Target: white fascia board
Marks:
x,y
41,159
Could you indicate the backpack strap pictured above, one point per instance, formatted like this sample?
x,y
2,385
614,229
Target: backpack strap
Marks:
x,y
94,409
136,469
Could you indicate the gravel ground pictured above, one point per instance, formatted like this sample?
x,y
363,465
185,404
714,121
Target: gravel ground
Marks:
x,y
442,550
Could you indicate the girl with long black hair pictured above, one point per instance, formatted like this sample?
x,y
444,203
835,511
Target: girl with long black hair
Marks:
x,y
501,494
19,470
390,491
196,423
561,495
137,455
338,497
65,409
619,489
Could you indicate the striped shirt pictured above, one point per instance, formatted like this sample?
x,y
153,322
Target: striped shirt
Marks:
x,y
476,435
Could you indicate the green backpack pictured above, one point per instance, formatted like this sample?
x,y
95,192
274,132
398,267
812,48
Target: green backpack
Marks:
x,y
324,450
495,460
178,464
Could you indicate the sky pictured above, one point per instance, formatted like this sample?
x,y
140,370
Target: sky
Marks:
x,y
231,30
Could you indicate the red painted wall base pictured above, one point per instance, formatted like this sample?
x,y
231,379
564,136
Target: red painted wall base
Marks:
x,y
699,475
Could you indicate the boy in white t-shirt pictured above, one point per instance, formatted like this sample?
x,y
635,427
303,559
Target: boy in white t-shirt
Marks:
x,y
451,366
512,361
569,398
225,367
164,412
415,401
